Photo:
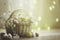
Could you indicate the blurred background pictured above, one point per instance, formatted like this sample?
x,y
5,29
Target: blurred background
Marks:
x,y
44,13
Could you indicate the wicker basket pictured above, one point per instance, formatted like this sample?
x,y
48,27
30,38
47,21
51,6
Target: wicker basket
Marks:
x,y
18,24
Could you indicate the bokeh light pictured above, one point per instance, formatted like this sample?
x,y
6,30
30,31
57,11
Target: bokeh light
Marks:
x,y
57,19
50,8
39,29
48,27
39,18
54,2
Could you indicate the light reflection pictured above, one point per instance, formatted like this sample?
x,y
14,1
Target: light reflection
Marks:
x,y
39,29
57,19
54,2
48,27
39,18
50,8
